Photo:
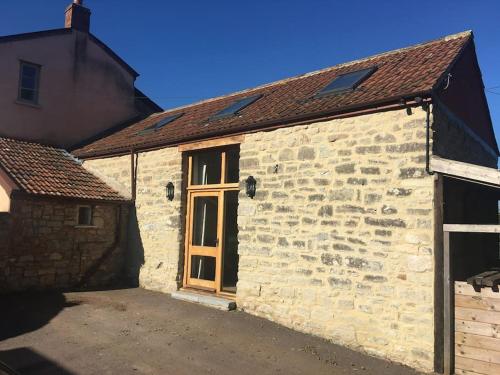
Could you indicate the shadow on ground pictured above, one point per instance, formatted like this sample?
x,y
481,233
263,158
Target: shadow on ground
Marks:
x,y
27,312
27,361
135,331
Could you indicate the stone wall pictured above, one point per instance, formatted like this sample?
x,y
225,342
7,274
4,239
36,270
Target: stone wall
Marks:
x,y
41,247
158,228
339,241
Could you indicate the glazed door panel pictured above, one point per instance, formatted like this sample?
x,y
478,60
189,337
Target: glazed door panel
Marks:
x,y
204,239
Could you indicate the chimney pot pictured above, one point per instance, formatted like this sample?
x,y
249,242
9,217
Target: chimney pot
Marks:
x,y
77,16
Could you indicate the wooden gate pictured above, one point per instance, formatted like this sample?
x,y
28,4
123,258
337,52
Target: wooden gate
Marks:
x,y
477,330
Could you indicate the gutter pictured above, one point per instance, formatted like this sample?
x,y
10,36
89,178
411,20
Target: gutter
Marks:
x,y
59,198
393,103
427,108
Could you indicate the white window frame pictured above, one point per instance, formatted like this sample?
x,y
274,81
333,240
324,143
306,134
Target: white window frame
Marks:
x,y
38,68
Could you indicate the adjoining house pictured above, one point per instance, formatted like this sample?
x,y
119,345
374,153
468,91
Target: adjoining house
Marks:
x,y
311,201
60,226
64,86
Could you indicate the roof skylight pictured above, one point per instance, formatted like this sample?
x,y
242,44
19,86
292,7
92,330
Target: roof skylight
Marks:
x,y
160,124
235,107
347,82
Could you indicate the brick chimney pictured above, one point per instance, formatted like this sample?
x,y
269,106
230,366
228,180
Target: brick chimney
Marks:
x,y
77,16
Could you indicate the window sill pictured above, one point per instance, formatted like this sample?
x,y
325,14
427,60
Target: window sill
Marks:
x,y
28,104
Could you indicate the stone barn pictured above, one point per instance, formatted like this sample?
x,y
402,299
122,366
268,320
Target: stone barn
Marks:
x,y
311,201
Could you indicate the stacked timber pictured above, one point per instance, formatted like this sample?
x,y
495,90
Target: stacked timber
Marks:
x,y
477,330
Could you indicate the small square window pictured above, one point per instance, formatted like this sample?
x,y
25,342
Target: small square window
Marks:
x,y
29,79
85,215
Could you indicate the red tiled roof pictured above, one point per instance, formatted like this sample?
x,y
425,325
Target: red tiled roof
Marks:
x,y
47,171
402,73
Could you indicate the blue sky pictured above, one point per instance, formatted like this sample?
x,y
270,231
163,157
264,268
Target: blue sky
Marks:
x,y
194,49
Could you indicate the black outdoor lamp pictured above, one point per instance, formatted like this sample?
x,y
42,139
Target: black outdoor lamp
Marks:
x,y
251,185
170,191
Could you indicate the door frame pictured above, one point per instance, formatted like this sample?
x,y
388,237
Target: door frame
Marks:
x,y
210,251
209,190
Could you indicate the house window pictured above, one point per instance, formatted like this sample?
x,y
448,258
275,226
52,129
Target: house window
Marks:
x,y
84,215
29,79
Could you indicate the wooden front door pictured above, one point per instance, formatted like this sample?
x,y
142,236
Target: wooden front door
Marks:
x,y
211,259
204,244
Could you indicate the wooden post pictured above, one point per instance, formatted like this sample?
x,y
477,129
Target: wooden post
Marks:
x,y
448,301
438,275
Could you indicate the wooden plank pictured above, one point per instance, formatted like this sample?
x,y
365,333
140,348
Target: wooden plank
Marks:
x,y
208,284
477,366
472,228
465,289
231,186
226,141
477,328
477,315
465,170
223,168
478,302
490,356
469,339
190,170
204,251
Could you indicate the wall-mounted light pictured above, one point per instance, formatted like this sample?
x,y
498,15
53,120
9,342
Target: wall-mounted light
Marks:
x,y
170,191
251,186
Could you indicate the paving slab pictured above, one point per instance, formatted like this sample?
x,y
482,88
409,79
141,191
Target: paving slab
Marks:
x,y
216,302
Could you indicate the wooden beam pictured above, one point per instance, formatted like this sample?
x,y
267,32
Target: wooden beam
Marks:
x,y
472,228
466,170
218,142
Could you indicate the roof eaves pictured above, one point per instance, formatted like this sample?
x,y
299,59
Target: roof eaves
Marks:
x,y
10,177
113,55
36,34
455,59
344,111
24,194
139,95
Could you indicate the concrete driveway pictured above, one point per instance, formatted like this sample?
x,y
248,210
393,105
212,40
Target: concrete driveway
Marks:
x,y
133,331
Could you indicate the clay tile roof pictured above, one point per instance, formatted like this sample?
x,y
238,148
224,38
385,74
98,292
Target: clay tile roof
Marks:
x,y
403,73
48,171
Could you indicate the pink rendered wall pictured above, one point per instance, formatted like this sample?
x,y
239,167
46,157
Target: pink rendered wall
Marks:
x,y
6,187
83,90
